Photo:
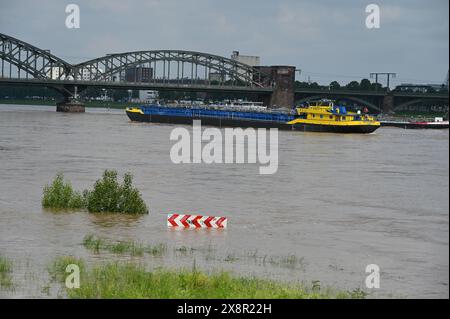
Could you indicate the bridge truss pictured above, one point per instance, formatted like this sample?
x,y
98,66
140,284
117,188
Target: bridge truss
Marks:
x,y
22,60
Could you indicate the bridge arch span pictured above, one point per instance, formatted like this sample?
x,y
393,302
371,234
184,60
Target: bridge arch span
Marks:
x,y
105,67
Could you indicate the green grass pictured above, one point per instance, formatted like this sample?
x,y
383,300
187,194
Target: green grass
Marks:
x,y
125,281
122,247
108,195
57,269
60,195
5,272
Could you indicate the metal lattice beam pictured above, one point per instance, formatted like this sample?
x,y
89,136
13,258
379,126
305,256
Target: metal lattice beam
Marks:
x,y
38,63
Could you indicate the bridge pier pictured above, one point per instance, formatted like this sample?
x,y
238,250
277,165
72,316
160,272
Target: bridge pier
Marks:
x,y
70,104
283,94
70,107
282,79
388,103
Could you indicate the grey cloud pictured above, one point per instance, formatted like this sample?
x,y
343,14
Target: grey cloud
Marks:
x,y
327,39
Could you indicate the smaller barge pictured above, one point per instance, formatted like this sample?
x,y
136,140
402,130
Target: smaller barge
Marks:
x,y
438,123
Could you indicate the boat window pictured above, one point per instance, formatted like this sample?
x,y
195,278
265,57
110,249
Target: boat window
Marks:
x,y
331,116
344,118
321,116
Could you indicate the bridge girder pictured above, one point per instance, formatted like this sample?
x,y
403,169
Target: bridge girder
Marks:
x,y
33,61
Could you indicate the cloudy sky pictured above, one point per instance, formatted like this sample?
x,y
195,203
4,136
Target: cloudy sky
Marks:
x,y
326,39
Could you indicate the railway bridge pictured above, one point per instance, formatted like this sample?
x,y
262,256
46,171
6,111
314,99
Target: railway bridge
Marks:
x,y
23,64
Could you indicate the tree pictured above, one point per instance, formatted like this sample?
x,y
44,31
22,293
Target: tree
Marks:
x,y
365,85
376,87
353,85
335,85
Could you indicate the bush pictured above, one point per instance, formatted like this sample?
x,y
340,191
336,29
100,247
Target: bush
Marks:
x,y
60,195
108,195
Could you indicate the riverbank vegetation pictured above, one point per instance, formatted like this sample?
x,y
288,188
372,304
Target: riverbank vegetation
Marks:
x,y
5,272
107,195
116,280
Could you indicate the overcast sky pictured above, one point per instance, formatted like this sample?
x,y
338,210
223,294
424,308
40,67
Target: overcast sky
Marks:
x,y
326,39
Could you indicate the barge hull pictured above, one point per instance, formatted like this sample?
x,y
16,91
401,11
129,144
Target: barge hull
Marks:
x,y
362,129
208,121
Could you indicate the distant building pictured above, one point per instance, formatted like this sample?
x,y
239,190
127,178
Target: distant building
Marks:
x,y
148,96
90,75
55,73
138,74
251,60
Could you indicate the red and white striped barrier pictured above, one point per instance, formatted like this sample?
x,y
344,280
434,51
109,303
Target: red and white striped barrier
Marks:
x,y
196,221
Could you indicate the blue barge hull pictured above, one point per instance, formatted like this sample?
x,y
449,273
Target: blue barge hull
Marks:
x,y
213,117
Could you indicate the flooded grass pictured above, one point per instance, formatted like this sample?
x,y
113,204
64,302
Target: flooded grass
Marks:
x,y
126,281
107,196
122,247
184,251
57,269
157,250
6,267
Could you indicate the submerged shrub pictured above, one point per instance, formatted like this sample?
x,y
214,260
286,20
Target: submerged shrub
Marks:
x,y
110,196
60,195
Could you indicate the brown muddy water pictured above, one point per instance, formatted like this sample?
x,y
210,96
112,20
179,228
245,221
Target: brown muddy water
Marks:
x,y
336,204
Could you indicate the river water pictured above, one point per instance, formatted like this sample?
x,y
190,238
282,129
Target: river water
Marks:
x,y
337,203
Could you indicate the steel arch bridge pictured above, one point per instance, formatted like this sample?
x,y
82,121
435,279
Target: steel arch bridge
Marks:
x,y
35,62
22,60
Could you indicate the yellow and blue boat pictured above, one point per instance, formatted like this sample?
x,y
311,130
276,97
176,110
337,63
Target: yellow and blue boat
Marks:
x,y
325,116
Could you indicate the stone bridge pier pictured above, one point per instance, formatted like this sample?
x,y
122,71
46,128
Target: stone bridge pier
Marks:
x,y
70,102
388,103
282,80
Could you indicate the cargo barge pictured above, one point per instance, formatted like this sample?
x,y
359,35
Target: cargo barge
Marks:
x,y
212,117
322,116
